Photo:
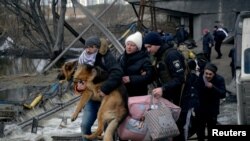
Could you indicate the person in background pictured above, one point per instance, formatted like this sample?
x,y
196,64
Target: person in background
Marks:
x,y
232,64
211,89
219,35
189,101
96,53
136,65
166,37
161,32
181,35
208,43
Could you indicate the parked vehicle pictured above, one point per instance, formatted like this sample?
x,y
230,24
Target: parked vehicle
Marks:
x,y
242,64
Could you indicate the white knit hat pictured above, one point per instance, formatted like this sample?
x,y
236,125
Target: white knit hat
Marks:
x,y
135,38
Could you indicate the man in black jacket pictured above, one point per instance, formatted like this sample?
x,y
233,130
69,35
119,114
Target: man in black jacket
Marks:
x,y
219,35
207,43
96,53
181,35
169,65
211,89
170,69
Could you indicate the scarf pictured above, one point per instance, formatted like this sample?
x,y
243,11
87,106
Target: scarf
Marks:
x,y
86,58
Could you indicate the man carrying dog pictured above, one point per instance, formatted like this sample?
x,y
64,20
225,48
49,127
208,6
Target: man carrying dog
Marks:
x,y
96,53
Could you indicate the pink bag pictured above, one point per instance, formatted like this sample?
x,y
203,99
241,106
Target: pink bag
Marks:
x,y
132,129
138,105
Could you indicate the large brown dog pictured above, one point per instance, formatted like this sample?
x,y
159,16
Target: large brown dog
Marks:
x,y
113,107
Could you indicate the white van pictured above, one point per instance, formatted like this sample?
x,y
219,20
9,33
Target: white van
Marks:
x,y
242,64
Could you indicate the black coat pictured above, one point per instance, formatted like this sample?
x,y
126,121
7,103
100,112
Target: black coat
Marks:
x,y
181,35
108,63
134,65
210,97
219,36
169,61
190,96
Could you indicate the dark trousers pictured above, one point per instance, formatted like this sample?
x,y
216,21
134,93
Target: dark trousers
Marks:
x,y
180,123
203,122
233,71
207,55
217,48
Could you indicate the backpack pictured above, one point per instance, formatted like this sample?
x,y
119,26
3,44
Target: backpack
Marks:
x,y
225,29
187,53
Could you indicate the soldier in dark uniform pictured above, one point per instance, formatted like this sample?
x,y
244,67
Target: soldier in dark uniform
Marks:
x,y
170,68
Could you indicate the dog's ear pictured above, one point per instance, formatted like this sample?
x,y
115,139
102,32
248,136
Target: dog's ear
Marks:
x,y
68,67
60,75
75,63
101,75
94,72
89,67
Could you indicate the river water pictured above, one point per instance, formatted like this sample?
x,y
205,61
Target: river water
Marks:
x,y
54,125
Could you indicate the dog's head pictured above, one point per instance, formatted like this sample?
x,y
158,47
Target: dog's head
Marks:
x,y
87,73
67,70
83,74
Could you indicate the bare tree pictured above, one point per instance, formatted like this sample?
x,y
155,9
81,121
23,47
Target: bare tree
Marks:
x,y
30,14
60,27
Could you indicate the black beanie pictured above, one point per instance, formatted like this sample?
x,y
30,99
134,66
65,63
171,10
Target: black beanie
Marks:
x,y
153,38
211,67
93,40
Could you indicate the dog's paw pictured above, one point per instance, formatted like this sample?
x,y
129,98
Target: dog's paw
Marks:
x,y
74,116
62,81
100,137
89,137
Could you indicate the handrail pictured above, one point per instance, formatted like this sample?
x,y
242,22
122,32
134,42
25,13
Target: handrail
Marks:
x,y
105,31
76,39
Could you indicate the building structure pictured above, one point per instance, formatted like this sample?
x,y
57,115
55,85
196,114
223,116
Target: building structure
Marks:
x,y
195,14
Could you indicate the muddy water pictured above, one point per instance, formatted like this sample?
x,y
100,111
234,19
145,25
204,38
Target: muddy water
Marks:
x,y
11,65
14,66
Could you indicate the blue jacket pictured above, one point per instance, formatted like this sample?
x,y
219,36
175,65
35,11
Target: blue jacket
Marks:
x,y
206,42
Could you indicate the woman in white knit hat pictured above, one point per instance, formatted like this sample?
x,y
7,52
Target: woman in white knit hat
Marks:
x,y
136,65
